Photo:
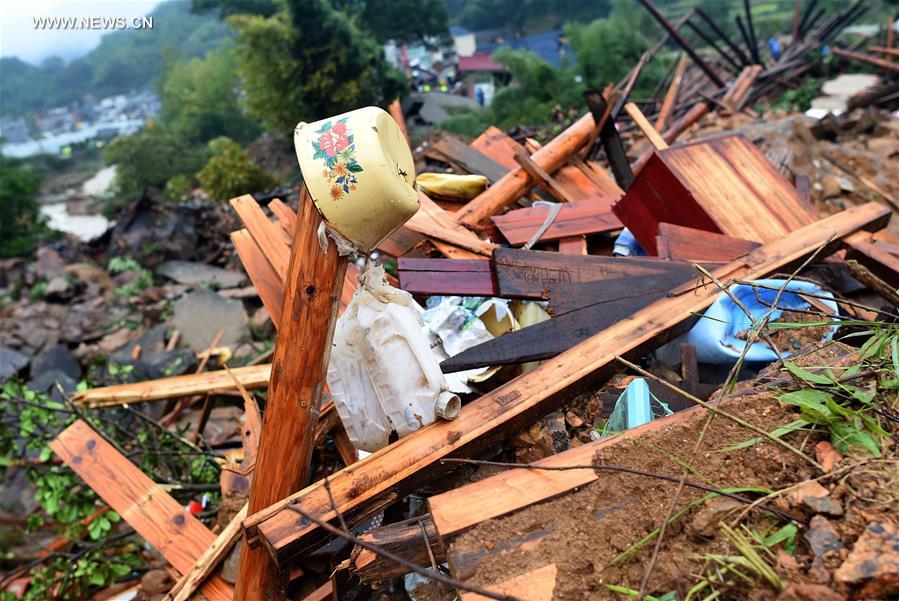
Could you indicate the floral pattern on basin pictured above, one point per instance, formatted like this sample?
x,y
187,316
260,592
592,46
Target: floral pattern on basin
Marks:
x,y
335,145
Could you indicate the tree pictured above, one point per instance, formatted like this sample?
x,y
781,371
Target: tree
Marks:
x,y
230,172
21,223
150,158
199,99
401,20
309,62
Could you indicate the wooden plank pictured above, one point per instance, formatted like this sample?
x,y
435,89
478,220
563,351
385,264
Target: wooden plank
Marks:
x,y
535,585
515,184
541,177
157,517
640,120
451,251
433,221
312,294
472,277
322,593
860,57
401,241
875,256
460,509
681,243
185,588
269,285
580,311
267,235
401,466
496,145
575,219
396,111
468,158
532,274
671,95
285,215
611,141
210,382
596,174
573,245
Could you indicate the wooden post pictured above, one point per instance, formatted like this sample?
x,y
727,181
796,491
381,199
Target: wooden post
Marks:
x,y
654,137
671,94
311,296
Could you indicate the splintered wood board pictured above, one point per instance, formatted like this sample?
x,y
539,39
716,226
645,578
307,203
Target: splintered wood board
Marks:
x,y
496,145
251,377
536,585
157,517
471,277
363,488
269,285
592,216
723,185
271,238
681,243
469,158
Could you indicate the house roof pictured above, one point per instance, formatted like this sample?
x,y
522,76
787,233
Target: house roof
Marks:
x,y
480,61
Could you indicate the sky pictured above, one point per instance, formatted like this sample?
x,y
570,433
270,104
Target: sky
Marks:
x,y
18,36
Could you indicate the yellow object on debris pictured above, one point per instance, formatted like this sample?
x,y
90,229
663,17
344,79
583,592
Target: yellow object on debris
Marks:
x,y
450,185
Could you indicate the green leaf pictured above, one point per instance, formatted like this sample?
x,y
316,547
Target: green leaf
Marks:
x,y
812,403
846,436
787,535
777,433
355,167
806,375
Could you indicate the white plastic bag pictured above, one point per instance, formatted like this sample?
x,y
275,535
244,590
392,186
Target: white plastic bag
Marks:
x,y
382,374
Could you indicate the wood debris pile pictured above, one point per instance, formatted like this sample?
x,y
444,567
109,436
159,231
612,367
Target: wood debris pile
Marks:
x,y
719,203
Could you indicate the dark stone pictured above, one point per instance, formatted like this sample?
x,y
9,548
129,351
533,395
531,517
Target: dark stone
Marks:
x,y
150,231
11,362
49,263
826,546
51,381
170,363
151,341
56,358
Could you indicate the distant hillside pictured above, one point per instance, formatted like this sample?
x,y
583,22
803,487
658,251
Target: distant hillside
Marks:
x,y
124,61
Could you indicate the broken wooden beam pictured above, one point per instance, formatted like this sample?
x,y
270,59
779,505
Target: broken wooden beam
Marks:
x,y
463,277
680,243
367,486
431,220
541,177
414,539
877,258
516,183
206,564
210,382
860,57
573,219
468,158
311,297
534,585
161,520
671,95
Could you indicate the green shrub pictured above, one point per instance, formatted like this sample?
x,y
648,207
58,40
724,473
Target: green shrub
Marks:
x,y
230,172
20,221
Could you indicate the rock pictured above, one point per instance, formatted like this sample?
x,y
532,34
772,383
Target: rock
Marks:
x,y
809,488
49,263
823,505
170,363
198,274
827,455
156,582
12,272
116,340
52,381
94,278
809,592
546,437
59,288
151,341
87,320
56,358
873,563
885,146
712,513
573,419
149,230
11,362
826,546
830,187
846,184
202,313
